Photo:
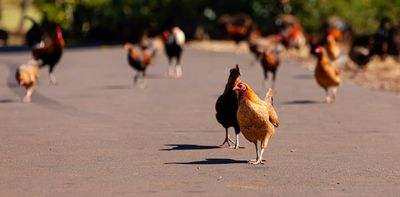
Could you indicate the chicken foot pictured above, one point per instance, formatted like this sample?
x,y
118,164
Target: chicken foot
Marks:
x,y
259,159
53,80
334,91
257,156
227,139
28,96
237,141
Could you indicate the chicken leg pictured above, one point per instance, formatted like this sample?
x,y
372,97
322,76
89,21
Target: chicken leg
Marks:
x,y
53,80
227,139
327,97
334,91
237,141
263,145
253,161
28,96
178,71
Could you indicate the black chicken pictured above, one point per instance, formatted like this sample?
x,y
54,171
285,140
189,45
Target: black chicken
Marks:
x,y
49,52
174,41
227,105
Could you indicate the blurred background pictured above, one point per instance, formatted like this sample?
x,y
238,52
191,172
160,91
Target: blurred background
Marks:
x,y
108,21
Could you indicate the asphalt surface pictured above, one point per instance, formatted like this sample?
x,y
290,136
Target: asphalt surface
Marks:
x,y
95,134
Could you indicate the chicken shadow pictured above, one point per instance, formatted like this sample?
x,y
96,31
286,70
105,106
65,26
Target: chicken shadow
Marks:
x,y
210,161
301,102
304,76
7,100
117,87
188,147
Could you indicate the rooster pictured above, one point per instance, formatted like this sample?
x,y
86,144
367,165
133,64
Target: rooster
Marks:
x,y
270,62
326,76
27,76
174,41
236,26
227,105
257,118
49,52
290,32
140,57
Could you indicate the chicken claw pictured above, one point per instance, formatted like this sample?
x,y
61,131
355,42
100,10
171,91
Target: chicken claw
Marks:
x,y
253,162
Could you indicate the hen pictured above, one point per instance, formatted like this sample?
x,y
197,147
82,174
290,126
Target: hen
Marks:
x,y
140,57
27,76
270,63
174,41
326,76
257,118
227,105
49,52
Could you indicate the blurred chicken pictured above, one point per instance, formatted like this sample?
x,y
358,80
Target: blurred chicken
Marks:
x,y
327,77
140,57
174,41
270,62
257,118
227,105
360,50
237,27
49,52
27,75
290,32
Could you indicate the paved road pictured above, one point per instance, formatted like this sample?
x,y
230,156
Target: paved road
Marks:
x,y
97,135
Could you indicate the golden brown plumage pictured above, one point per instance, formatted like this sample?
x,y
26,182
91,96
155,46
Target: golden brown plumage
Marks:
x,y
270,63
326,76
257,118
27,75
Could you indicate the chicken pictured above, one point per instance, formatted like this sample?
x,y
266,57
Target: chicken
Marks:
x,y
290,32
174,41
49,52
140,57
360,50
326,76
270,62
226,107
236,26
257,118
27,76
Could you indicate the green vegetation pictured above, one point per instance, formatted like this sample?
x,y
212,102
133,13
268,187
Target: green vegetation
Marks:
x,y
126,19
